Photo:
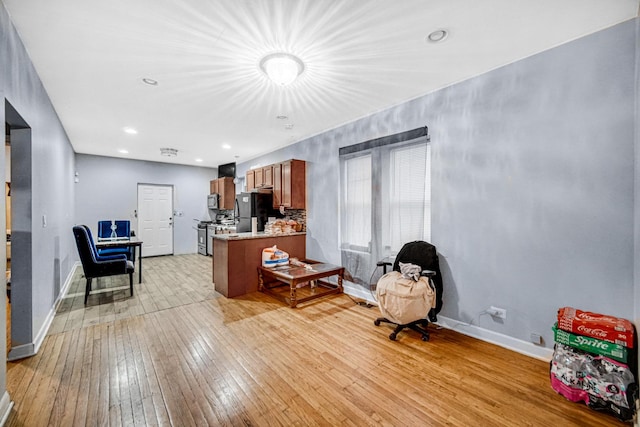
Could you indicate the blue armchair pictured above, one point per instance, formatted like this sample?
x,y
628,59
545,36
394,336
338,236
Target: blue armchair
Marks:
x,y
123,229
95,265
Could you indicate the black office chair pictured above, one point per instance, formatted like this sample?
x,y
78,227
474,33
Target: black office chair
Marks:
x,y
95,265
424,255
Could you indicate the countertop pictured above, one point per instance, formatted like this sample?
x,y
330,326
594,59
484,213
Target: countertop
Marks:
x,y
258,235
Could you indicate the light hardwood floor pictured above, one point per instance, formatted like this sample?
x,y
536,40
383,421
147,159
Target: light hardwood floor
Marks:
x,y
179,354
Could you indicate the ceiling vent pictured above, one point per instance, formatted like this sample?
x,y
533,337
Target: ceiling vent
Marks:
x,y
169,152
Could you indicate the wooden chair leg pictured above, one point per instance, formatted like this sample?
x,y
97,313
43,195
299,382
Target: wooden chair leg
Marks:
x,y
131,283
87,290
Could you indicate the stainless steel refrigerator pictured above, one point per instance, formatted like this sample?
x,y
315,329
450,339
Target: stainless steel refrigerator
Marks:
x,y
248,205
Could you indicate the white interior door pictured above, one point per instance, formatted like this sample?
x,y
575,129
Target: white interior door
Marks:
x,y
155,219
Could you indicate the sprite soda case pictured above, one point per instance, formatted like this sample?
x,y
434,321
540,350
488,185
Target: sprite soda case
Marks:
x,y
591,345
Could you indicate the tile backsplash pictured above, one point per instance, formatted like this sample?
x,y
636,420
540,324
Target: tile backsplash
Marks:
x,y
298,215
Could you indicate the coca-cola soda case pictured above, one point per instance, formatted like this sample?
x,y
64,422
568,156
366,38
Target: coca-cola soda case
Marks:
x,y
606,328
583,370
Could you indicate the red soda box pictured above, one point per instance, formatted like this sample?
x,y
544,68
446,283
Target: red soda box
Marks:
x,y
595,325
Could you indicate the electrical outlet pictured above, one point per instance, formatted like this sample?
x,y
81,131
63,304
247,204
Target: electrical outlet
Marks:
x,y
535,338
500,313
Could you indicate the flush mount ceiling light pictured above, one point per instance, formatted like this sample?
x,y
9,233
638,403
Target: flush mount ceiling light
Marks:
x,y
130,130
282,68
169,152
150,82
123,151
437,36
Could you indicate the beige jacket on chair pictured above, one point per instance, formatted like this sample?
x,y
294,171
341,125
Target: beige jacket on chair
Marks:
x,y
402,300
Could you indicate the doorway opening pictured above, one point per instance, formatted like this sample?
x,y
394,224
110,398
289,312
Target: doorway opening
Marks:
x,y
19,233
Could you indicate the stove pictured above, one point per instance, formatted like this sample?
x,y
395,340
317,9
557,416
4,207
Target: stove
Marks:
x,y
223,219
203,237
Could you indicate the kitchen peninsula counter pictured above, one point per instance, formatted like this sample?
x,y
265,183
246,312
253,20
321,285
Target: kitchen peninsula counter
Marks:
x,y
259,235
237,256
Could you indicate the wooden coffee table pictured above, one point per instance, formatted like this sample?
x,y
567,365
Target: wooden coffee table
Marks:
x,y
271,278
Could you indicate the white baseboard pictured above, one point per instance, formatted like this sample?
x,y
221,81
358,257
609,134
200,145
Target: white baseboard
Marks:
x,y
510,343
6,404
30,349
66,285
514,344
42,333
358,292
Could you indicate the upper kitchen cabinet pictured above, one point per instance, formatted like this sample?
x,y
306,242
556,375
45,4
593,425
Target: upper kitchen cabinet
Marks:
x,y
267,176
288,180
289,184
251,179
261,177
226,190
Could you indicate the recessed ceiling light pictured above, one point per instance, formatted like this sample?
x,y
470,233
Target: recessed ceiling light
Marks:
x,y
199,160
150,82
437,36
123,151
130,130
226,146
288,126
282,117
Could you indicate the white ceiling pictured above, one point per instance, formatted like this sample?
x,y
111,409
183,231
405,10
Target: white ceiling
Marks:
x,y
360,56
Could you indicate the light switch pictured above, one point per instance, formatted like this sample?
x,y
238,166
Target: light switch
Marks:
x,y
44,221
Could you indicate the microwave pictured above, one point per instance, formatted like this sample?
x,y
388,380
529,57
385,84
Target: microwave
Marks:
x,y
212,201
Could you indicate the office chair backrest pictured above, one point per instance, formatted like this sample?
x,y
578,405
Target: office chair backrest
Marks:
x,y
418,253
425,255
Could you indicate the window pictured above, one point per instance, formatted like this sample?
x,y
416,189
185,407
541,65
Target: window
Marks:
x,y
356,233
409,196
385,201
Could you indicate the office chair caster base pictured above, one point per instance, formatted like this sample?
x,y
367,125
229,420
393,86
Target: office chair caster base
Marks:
x,y
376,322
392,336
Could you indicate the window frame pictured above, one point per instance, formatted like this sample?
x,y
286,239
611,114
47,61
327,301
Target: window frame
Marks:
x,y
362,258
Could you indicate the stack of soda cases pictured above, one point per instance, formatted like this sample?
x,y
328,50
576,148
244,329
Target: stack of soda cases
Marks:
x,y
595,361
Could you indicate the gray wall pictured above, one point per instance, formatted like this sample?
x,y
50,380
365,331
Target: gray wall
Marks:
x,y
52,163
108,189
532,184
636,231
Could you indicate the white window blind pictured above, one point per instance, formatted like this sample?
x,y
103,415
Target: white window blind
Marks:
x,y
409,199
356,229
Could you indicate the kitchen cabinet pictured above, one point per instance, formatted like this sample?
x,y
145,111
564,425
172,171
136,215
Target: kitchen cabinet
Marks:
x,y
226,190
277,185
262,177
267,176
250,180
288,180
236,258
255,179
259,177
293,184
